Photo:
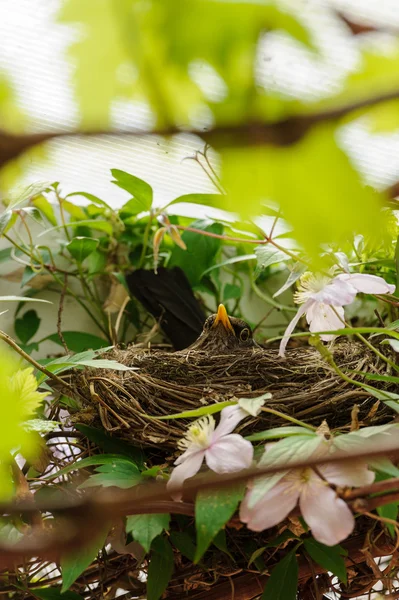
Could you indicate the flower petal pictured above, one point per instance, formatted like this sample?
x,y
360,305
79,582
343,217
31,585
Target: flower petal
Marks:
x,y
230,453
369,284
322,317
186,469
301,311
353,474
275,505
328,516
229,419
337,293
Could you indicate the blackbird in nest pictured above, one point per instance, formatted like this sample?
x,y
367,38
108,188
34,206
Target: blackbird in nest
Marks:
x,y
222,334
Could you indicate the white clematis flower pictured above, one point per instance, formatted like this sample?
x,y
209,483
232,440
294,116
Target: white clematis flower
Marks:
x,y
323,298
223,451
327,515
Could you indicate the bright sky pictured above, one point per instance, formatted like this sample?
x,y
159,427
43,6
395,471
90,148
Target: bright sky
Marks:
x,y
32,53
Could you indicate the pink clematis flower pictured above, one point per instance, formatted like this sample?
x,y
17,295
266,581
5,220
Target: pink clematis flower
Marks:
x,y
327,515
223,451
323,298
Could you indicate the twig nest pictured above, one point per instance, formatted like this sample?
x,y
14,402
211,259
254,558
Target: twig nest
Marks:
x,y
303,386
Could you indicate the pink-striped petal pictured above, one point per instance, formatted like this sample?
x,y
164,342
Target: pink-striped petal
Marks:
x,y
328,516
369,284
230,453
273,508
322,317
301,311
186,469
229,419
353,474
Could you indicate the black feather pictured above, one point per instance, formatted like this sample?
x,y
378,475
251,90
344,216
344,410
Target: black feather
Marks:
x,y
168,296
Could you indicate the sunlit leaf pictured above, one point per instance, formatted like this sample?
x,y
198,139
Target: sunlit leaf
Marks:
x,y
44,206
314,183
90,197
140,190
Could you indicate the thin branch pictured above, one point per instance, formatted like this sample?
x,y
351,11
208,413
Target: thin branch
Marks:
x,y
8,340
282,133
59,317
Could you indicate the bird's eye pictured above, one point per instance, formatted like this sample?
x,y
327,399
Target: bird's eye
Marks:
x,y
244,334
208,323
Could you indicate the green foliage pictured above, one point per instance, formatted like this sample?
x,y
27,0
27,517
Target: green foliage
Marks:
x,y
81,247
328,557
160,568
283,581
74,563
119,473
140,190
99,459
145,528
283,174
27,326
78,341
213,508
18,389
200,250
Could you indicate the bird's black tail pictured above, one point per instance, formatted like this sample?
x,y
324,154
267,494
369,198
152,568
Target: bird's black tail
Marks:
x,y
168,296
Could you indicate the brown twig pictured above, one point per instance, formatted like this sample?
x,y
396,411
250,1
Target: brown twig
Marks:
x,y
59,317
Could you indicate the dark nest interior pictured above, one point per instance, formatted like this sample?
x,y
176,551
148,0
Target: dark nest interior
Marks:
x,y
303,386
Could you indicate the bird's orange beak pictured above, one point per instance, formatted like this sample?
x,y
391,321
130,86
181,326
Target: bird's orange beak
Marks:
x,y
223,317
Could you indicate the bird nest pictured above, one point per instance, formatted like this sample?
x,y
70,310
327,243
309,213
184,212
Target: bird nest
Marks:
x,y
303,386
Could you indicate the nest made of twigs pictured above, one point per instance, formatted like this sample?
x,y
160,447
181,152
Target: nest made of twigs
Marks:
x,y
303,385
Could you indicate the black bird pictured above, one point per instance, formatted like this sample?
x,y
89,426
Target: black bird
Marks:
x,y
222,334
168,296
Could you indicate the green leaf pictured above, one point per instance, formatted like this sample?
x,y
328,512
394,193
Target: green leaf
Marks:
x,y
90,197
140,190
231,292
388,511
73,564
213,508
220,542
279,432
81,247
100,225
144,528
200,251
27,326
77,341
230,261
297,271
328,557
42,204
316,158
7,220
74,210
98,459
160,568
201,199
54,593
112,445
267,255
198,412
184,543
23,194
280,539
283,581
120,473
256,554
22,299
253,405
